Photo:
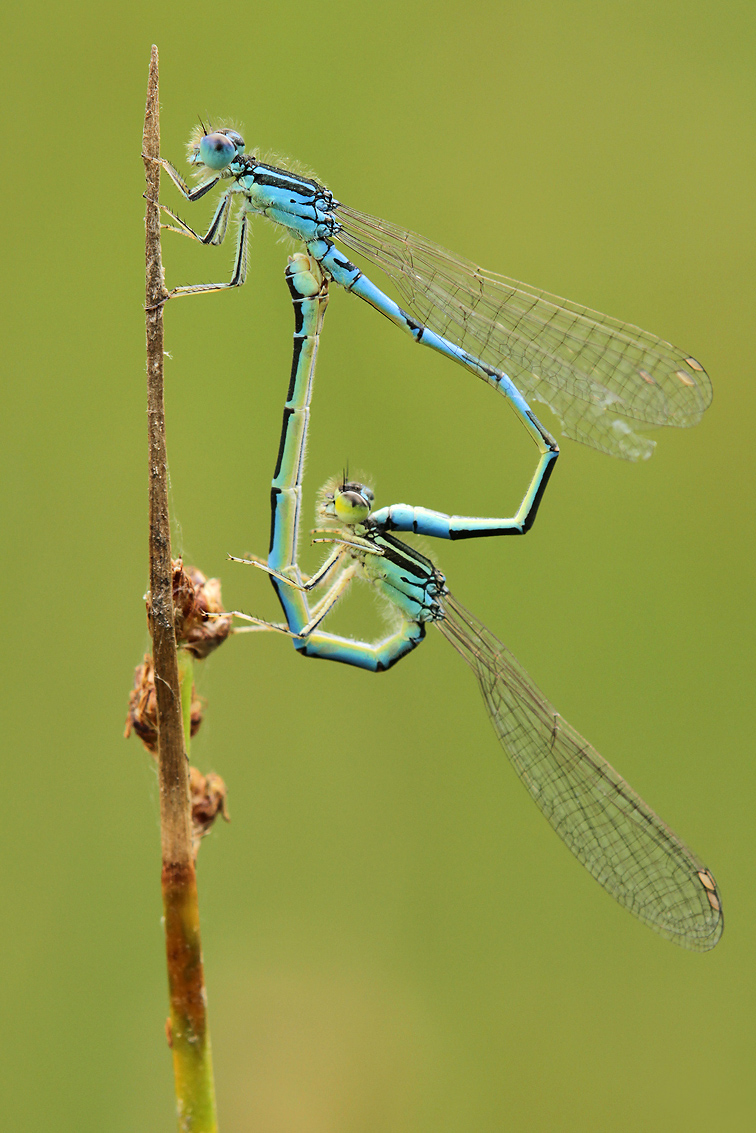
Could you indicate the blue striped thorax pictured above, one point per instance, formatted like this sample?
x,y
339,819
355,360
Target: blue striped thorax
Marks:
x,y
298,203
404,576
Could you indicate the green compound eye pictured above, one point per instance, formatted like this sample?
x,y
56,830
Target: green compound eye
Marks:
x,y
351,507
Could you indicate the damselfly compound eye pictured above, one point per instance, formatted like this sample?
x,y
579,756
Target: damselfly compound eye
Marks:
x,y
216,151
236,138
352,507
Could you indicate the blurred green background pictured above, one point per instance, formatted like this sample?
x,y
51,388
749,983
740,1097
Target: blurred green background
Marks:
x,y
394,939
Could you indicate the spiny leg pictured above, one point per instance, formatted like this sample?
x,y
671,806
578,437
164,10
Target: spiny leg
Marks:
x,y
215,234
323,606
328,535
303,583
258,624
194,194
239,273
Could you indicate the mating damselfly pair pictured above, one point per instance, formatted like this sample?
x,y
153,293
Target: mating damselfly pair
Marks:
x,y
601,378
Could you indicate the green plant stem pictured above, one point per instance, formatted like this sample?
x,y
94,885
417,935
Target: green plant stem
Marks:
x,y
186,682
190,1040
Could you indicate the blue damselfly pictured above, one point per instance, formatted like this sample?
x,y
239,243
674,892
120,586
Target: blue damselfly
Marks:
x,y
601,377
608,827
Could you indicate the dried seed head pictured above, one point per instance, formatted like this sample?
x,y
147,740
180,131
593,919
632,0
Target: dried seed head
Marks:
x,y
142,715
208,795
194,598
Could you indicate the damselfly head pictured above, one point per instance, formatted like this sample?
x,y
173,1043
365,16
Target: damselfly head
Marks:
x,y
215,150
346,501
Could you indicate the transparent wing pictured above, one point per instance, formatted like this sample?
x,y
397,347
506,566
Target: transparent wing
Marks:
x,y
601,377
619,839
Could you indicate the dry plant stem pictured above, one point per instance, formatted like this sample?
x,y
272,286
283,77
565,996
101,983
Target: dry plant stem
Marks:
x,y
192,1062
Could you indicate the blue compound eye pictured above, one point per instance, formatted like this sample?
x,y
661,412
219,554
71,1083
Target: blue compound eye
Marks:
x,y
216,151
